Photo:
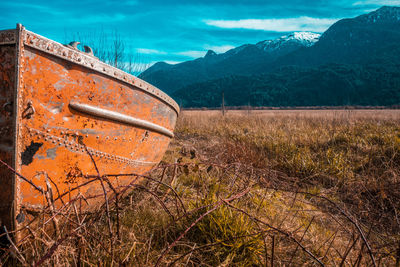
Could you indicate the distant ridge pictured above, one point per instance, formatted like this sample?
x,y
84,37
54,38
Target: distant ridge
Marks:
x,y
351,40
240,60
355,62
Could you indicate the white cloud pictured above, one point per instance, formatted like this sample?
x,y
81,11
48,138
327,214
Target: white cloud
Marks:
x,y
219,49
277,25
192,54
150,51
378,3
172,62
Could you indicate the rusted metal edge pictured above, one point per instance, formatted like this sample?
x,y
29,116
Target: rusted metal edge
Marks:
x,y
19,47
8,37
78,57
119,118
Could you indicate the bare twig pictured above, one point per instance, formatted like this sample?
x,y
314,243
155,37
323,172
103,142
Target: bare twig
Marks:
x,y
20,257
22,177
289,235
301,239
217,205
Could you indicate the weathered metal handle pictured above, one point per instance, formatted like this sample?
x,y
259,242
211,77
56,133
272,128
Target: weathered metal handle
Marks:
x,y
88,50
119,118
74,45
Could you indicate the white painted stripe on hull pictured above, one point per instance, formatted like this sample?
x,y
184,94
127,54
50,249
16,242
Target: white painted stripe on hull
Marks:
x,y
119,118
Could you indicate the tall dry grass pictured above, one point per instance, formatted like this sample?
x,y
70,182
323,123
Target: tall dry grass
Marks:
x,y
271,188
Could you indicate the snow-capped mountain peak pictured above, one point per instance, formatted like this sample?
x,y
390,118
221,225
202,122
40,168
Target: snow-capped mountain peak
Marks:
x,y
306,39
305,36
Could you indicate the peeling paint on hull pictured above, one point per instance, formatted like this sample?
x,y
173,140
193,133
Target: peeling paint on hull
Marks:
x,y
45,137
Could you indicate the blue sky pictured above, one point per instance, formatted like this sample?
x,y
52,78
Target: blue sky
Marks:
x,y
175,30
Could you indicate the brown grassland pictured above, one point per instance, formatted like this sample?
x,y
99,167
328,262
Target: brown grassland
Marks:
x,y
251,188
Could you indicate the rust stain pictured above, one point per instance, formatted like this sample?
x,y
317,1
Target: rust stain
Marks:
x,y
55,139
114,140
73,174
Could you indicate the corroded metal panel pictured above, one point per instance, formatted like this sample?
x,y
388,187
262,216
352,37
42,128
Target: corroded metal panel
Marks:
x,y
53,136
70,107
87,60
8,37
7,88
59,109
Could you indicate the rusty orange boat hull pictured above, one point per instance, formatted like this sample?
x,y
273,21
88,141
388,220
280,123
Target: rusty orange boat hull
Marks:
x,y
58,108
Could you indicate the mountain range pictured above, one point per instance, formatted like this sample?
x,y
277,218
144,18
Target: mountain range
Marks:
x,y
355,62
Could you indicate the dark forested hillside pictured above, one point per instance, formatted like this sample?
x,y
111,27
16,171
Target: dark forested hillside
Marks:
x,y
373,83
350,40
355,62
247,59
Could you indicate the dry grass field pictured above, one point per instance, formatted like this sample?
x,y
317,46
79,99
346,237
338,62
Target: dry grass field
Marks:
x,y
342,114
258,188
